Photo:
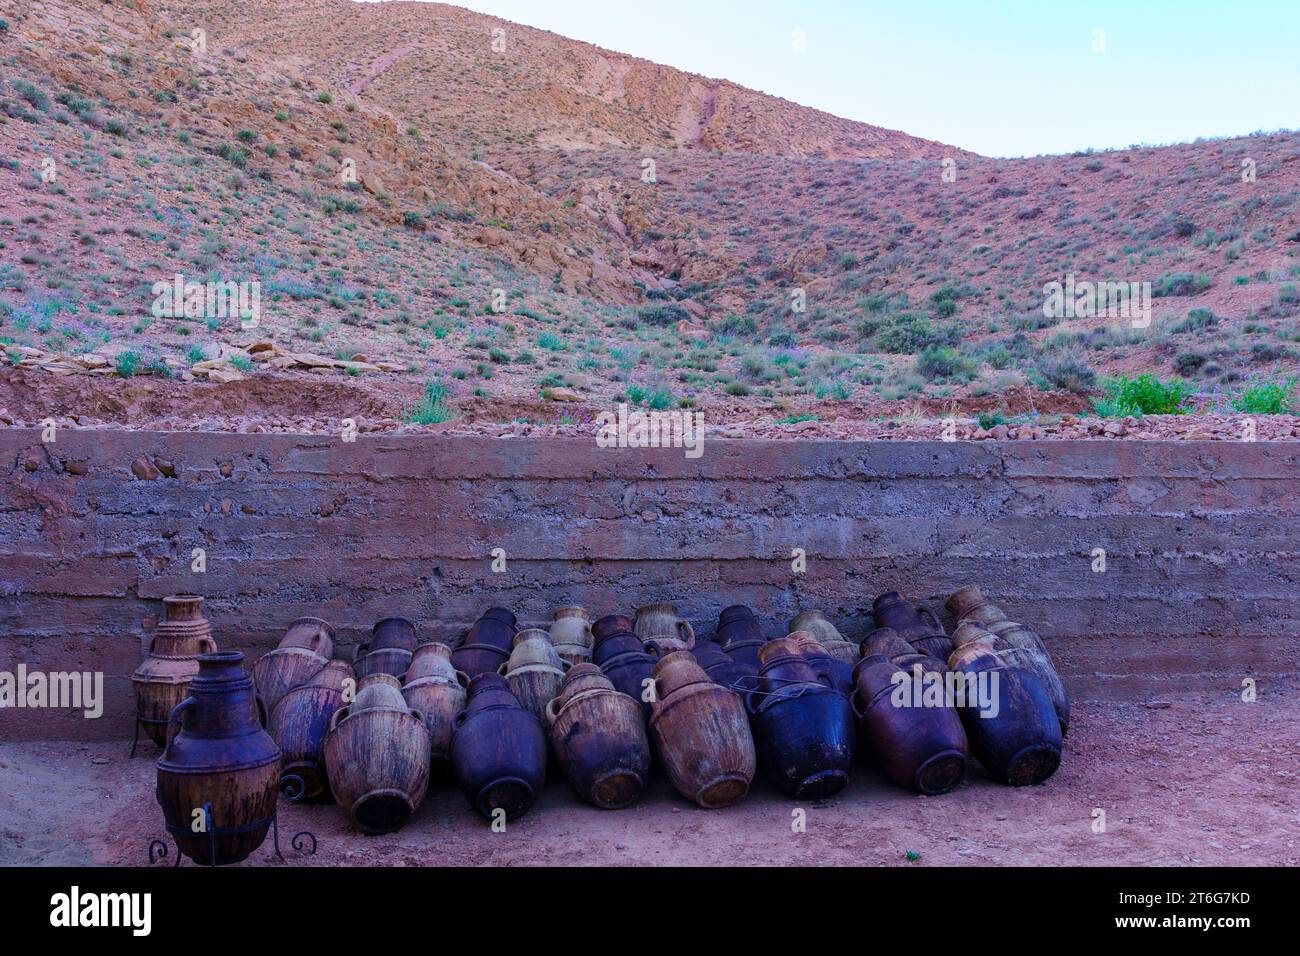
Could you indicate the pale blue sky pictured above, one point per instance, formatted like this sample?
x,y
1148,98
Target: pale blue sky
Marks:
x,y
1009,78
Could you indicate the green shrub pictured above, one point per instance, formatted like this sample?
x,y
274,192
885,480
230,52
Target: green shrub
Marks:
x,y
1069,374
431,409
1268,398
1143,395
1180,283
908,334
941,361
127,363
662,314
324,97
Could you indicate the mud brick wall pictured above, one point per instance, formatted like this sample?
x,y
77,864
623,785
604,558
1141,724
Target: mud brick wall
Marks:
x,y
1201,540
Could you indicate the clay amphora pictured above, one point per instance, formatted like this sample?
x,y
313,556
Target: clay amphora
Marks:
x,y
310,633
218,758
393,661
377,757
163,680
816,624
571,635
969,603
740,636
659,626
390,634
921,748
1034,656
830,670
701,734
723,669
534,671
918,626
487,643
280,670
299,724
436,690
599,739
498,750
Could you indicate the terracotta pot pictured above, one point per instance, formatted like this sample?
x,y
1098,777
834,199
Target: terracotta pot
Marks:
x,y
611,624
885,642
659,626
281,670
431,660
390,634
218,756
377,757
1017,738
163,680
740,636
498,750
615,643
830,670
571,634
921,748
969,603
803,729
916,625
632,673
723,670
299,724
475,659
599,739
534,671
438,696
392,661
701,733
816,624
1034,657
494,628
311,633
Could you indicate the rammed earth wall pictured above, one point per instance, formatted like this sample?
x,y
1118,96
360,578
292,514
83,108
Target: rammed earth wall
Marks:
x,y
1200,540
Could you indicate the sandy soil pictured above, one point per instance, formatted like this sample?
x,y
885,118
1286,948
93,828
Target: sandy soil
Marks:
x,y
1183,780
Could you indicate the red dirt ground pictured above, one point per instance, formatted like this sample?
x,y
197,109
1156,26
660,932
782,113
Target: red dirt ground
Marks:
x,y
1184,780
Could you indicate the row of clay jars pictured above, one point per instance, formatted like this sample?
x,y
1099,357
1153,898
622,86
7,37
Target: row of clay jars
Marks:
x,y
217,758
304,650
487,643
299,724
498,750
377,756
700,733
388,650
968,605
923,748
1008,714
628,663
816,624
437,691
534,671
803,729
662,629
162,681
599,738
917,625
571,634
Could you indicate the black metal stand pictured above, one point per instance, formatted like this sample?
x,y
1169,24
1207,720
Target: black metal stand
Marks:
x,y
138,721
158,849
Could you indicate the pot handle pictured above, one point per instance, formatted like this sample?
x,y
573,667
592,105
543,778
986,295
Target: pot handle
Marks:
x,y
337,716
174,720
418,715
687,632
551,712
458,721
462,678
502,669
261,710
209,642
362,650
853,702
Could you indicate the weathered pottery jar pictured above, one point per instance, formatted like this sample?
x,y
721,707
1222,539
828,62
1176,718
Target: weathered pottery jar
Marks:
x,y
498,750
740,636
303,651
163,680
916,625
701,733
219,760
659,626
377,757
311,633
436,690
885,642
299,724
627,662
571,635
723,669
923,748
828,635
388,650
599,738
487,643
830,670
1013,727
803,730
534,671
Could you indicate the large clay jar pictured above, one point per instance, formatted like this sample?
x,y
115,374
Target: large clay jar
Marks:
x,y
436,690
377,757
611,624
803,730
969,603
310,633
627,662
740,636
299,724
599,739
885,642
571,635
725,670
218,757
534,671
660,627
701,733
923,748
487,643
163,680
498,750
916,625
1008,714
301,654
828,635
830,670
391,634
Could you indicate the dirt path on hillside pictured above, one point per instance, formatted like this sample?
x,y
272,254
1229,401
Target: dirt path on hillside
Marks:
x,y
1184,781
378,68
